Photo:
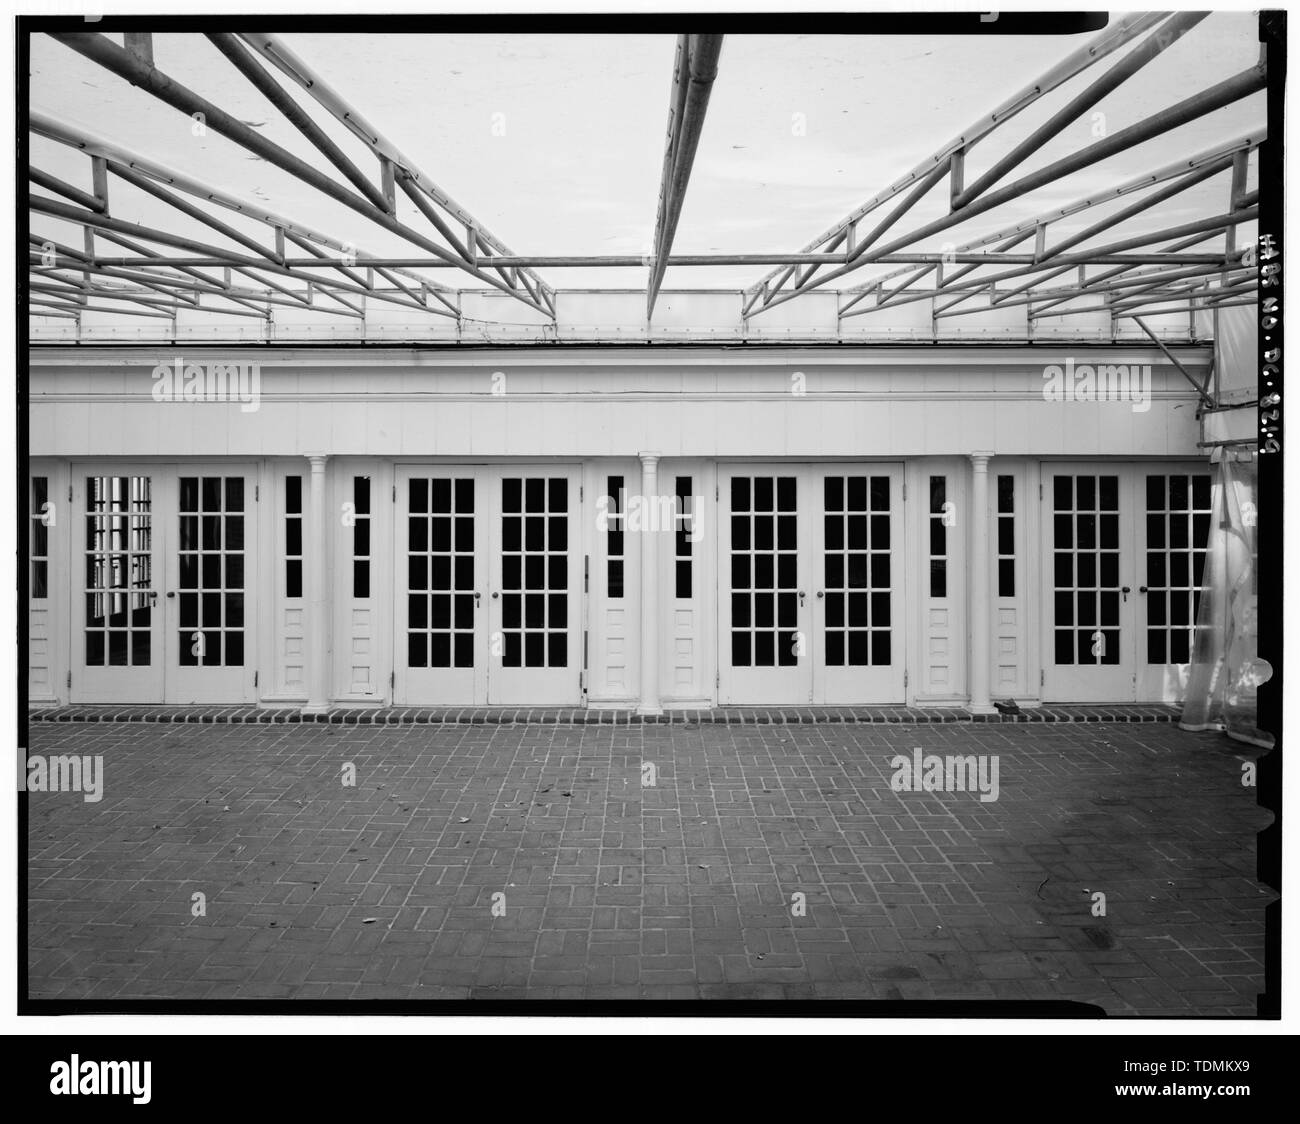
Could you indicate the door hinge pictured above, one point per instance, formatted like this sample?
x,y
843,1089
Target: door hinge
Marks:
x,y
716,492
256,675
392,679
717,679
586,573
1042,677
69,679
580,493
69,493
1040,491
905,679
257,493
394,493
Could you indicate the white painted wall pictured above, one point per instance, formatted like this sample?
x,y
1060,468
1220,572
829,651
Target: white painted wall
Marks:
x,y
929,406
691,403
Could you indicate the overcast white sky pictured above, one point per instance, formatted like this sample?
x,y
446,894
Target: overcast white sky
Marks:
x,y
576,168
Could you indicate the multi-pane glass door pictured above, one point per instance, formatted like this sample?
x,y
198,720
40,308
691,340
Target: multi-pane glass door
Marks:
x,y
1092,610
489,586
442,579
765,564
161,585
117,623
1126,552
810,585
209,585
535,574
858,606
1173,533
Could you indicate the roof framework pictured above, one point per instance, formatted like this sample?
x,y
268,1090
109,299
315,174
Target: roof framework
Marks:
x,y
153,271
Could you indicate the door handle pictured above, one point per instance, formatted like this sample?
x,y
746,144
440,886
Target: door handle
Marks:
x,y
821,593
171,593
1125,590
1142,589
802,595
495,595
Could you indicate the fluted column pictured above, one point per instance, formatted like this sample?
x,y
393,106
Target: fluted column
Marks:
x,y
980,592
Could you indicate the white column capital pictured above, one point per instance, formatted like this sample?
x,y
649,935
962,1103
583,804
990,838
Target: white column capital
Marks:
x,y
980,461
317,461
649,460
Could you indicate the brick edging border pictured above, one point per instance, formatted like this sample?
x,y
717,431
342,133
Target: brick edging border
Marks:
x,y
561,716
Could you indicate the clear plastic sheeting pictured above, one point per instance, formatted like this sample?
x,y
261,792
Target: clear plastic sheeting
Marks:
x,y
1226,671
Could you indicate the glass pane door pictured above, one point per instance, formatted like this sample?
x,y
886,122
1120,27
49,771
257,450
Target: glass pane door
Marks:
x,y
1089,578
536,581
117,645
765,655
441,622
1175,529
211,657
857,611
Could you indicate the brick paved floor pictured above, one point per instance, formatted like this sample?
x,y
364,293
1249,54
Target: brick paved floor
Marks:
x,y
614,890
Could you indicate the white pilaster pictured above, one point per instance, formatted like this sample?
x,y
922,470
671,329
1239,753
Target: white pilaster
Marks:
x,y
649,585
979,590
317,648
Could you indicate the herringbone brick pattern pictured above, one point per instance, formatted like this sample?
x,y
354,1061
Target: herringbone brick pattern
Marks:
x,y
614,888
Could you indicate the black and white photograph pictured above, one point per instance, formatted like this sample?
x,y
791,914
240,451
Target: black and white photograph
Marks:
x,y
714,513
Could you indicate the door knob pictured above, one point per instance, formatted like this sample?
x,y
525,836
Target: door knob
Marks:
x,y
171,593
821,593
1142,589
495,595
1125,590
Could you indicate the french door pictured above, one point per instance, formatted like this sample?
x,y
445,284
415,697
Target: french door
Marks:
x,y
811,584
1126,550
489,586
161,586
117,622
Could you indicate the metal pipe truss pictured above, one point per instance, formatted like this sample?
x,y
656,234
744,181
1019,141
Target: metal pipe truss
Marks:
x,y
284,264
378,204
697,67
967,202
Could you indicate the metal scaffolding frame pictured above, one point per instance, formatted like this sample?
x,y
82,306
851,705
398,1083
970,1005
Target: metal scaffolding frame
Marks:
x,y
1160,270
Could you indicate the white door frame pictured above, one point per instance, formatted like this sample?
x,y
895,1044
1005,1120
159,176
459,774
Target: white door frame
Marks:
x,y
517,684
807,679
122,683
1106,671
850,683
786,683
1165,682
442,685
212,684
1133,679
491,680
166,680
